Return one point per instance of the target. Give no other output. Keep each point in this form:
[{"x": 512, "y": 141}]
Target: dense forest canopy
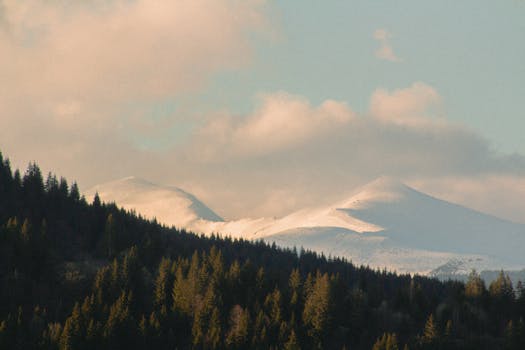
[{"x": 87, "y": 275}]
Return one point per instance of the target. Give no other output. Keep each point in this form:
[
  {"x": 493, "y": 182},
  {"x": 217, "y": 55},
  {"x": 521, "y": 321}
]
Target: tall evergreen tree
[{"x": 316, "y": 314}]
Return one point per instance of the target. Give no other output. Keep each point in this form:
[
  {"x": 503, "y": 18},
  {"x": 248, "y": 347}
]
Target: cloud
[
  {"x": 412, "y": 105},
  {"x": 499, "y": 194},
  {"x": 385, "y": 51},
  {"x": 289, "y": 153},
  {"x": 282, "y": 121},
  {"x": 80, "y": 77},
  {"x": 121, "y": 49}
]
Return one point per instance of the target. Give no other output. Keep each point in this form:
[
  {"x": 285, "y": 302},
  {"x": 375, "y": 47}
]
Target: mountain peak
[
  {"x": 386, "y": 184},
  {"x": 171, "y": 205},
  {"x": 133, "y": 180},
  {"x": 383, "y": 189}
]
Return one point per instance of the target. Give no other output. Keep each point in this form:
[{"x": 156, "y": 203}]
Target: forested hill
[{"x": 87, "y": 275}]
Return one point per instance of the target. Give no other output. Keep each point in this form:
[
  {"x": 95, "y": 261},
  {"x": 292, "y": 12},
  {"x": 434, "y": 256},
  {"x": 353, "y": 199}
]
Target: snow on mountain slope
[
  {"x": 416, "y": 220},
  {"x": 388, "y": 224},
  {"x": 383, "y": 224},
  {"x": 375, "y": 251},
  {"x": 170, "y": 205}
]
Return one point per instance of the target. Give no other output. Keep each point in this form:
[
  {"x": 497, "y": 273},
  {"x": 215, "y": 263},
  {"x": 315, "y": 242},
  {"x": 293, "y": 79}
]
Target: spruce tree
[
  {"x": 475, "y": 286},
  {"x": 430, "y": 333},
  {"x": 316, "y": 314},
  {"x": 238, "y": 327}
]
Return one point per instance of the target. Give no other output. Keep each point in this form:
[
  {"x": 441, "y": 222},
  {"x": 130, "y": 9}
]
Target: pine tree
[
  {"x": 110, "y": 235},
  {"x": 119, "y": 329},
  {"x": 154, "y": 325},
  {"x": 502, "y": 287},
  {"x": 96, "y": 201},
  {"x": 316, "y": 314},
  {"x": 74, "y": 192},
  {"x": 295, "y": 285},
  {"x": 238, "y": 332},
  {"x": 33, "y": 184},
  {"x": 52, "y": 335},
  {"x": 388, "y": 341},
  {"x": 475, "y": 286},
  {"x": 259, "y": 339},
  {"x": 273, "y": 304},
  {"x": 292, "y": 343},
  {"x": 430, "y": 332},
  {"x": 163, "y": 283},
  {"x": 63, "y": 187},
  {"x": 25, "y": 231},
  {"x": 72, "y": 336},
  {"x": 51, "y": 184},
  {"x": 213, "y": 336},
  {"x": 182, "y": 294}
]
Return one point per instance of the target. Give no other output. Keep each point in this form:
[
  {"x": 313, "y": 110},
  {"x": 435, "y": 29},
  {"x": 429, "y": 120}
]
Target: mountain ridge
[
  {"x": 155, "y": 201},
  {"x": 383, "y": 223}
]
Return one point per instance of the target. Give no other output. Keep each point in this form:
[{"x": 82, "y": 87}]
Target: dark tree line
[{"x": 79, "y": 275}]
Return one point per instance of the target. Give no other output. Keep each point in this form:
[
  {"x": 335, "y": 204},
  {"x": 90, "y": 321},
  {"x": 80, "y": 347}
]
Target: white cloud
[
  {"x": 413, "y": 105},
  {"x": 75, "y": 74},
  {"x": 122, "y": 49},
  {"x": 385, "y": 51},
  {"x": 281, "y": 121}
]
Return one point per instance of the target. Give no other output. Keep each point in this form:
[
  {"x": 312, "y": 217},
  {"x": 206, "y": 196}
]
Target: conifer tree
[
  {"x": 273, "y": 304},
  {"x": 316, "y": 314},
  {"x": 74, "y": 192},
  {"x": 292, "y": 343},
  {"x": 163, "y": 283},
  {"x": 295, "y": 285},
  {"x": 213, "y": 336},
  {"x": 63, "y": 187},
  {"x": 110, "y": 235},
  {"x": 502, "y": 287},
  {"x": 51, "y": 184},
  {"x": 238, "y": 332},
  {"x": 475, "y": 286},
  {"x": 387, "y": 341},
  {"x": 25, "y": 231},
  {"x": 71, "y": 337},
  {"x": 96, "y": 201},
  {"x": 430, "y": 333}
]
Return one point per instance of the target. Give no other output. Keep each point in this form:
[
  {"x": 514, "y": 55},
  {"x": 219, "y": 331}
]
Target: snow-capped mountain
[
  {"x": 383, "y": 224},
  {"x": 170, "y": 205},
  {"x": 414, "y": 219},
  {"x": 388, "y": 224}
]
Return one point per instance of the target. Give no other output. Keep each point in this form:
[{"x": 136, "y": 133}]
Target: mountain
[
  {"x": 171, "y": 205},
  {"x": 417, "y": 220},
  {"x": 383, "y": 224},
  {"x": 92, "y": 276},
  {"x": 388, "y": 224}
]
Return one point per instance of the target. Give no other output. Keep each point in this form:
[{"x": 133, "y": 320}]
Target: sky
[{"x": 261, "y": 107}]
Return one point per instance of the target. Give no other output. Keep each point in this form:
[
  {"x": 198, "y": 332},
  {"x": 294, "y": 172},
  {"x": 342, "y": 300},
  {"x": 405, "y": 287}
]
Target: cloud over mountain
[
  {"x": 281, "y": 122},
  {"x": 79, "y": 80},
  {"x": 404, "y": 134}
]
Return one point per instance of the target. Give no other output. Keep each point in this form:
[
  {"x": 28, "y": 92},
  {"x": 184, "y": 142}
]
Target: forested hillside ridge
[
  {"x": 382, "y": 223},
  {"x": 87, "y": 275}
]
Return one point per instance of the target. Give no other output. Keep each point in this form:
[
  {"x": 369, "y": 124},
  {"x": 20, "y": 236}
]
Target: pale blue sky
[{"x": 471, "y": 52}]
